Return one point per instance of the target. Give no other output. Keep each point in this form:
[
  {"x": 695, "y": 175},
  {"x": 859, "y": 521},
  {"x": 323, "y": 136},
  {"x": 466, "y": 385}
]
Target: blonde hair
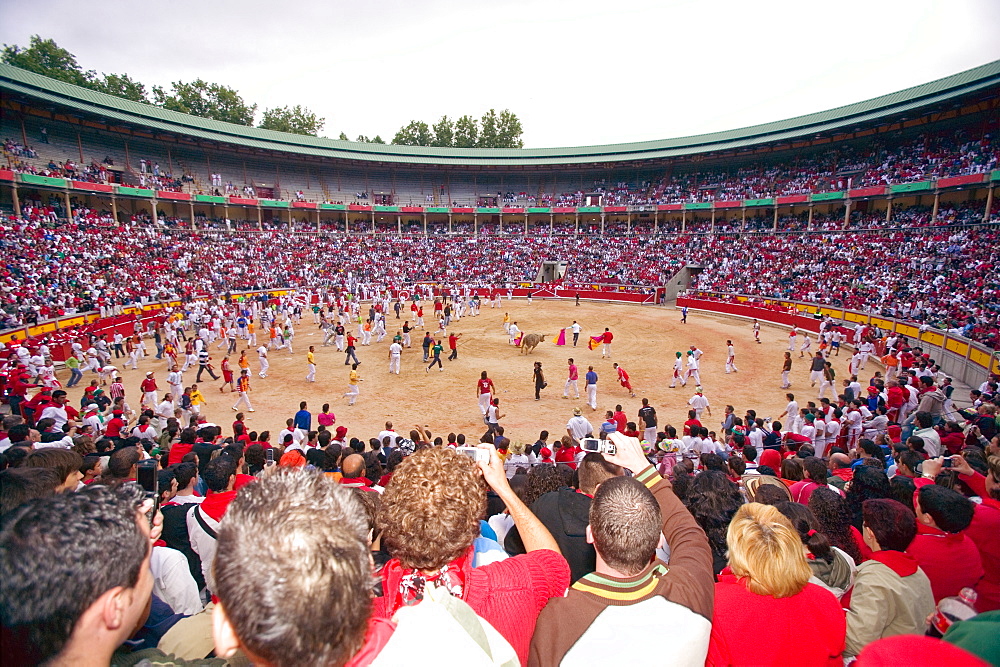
[
  {"x": 517, "y": 448},
  {"x": 766, "y": 550}
]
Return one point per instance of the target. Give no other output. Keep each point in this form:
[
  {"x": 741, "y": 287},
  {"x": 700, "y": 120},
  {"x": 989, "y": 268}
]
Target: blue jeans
[{"x": 75, "y": 376}]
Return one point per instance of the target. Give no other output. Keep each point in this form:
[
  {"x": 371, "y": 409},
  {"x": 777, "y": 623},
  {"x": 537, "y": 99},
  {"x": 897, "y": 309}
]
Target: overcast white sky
[{"x": 577, "y": 72}]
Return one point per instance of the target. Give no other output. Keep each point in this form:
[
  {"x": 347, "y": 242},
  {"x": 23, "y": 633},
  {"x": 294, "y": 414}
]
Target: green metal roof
[{"x": 115, "y": 109}]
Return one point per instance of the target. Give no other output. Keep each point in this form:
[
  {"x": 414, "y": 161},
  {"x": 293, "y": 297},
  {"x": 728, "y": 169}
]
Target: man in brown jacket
[{"x": 632, "y": 596}]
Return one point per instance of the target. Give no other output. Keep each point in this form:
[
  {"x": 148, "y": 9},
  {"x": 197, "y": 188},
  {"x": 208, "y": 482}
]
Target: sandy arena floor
[{"x": 646, "y": 338}]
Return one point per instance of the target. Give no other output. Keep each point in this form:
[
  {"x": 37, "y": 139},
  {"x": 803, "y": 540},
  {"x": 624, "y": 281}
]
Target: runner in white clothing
[
  {"x": 678, "y": 372},
  {"x": 700, "y": 403},
  {"x": 730, "y": 357}
]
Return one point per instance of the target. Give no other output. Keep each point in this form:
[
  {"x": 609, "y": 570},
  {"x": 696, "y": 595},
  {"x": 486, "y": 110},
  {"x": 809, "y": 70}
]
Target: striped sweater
[{"x": 632, "y": 621}]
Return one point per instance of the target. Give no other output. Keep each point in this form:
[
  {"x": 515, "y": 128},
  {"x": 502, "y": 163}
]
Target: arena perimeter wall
[{"x": 958, "y": 357}]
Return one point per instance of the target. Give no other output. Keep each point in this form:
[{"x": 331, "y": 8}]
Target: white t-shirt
[
  {"x": 579, "y": 427},
  {"x": 698, "y": 402},
  {"x": 395, "y": 349}
]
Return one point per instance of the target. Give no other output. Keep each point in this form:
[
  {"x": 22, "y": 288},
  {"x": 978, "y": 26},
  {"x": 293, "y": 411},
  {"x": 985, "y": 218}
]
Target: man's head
[
  {"x": 888, "y": 524},
  {"x": 19, "y": 485},
  {"x": 943, "y": 508},
  {"x": 625, "y": 524},
  {"x": 840, "y": 461},
  {"x": 354, "y": 466},
  {"x": 430, "y": 512},
  {"x": 86, "y": 586},
  {"x": 594, "y": 471},
  {"x": 308, "y": 602},
  {"x": 220, "y": 474},
  {"x": 65, "y": 462},
  {"x": 122, "y": 463}
]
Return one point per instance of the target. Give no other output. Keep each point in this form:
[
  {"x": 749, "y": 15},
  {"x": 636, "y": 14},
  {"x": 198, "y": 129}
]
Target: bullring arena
[
  {"x": 646, "y": 338},
  {"x": 770, "y": 260}
]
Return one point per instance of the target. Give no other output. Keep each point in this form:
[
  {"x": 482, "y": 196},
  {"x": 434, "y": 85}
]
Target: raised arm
[{"x": 533, "y": 532}]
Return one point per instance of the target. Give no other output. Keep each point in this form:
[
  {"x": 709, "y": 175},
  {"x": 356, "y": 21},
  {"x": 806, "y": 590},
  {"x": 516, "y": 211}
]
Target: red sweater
[
  {"x": 738, "y": 616},
  {"x": 985, "y": 534},
  {"x": 509, "y": 594},
  {"x": 950, "y": 560}
]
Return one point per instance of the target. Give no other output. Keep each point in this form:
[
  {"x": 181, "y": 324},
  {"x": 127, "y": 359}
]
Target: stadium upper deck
[{"x": 906, "y": 142}]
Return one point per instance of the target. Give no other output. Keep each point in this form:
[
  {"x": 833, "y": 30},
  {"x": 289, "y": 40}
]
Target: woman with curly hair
[
  {"x": 867, "y": 484},
  {"x": 830, "y": 510},
  {"x": 429, "y": 518},
  {"x": 713, "y": 500}
]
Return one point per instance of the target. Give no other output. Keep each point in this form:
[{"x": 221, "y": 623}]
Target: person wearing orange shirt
[
  {"x": 891, "y": 363},
  {"x": 243, "y": 387}
]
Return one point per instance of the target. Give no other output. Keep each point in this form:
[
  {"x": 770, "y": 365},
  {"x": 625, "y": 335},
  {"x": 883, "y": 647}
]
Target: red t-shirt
[
  {"x": 608, "y": 336},
  {"x": 485, "y": 386}
]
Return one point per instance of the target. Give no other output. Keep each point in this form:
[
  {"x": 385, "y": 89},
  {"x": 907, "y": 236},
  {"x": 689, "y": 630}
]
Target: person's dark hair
[
  {"x": 791, "y": 469},
  {"x": 713, "y": 500},
  {"x": 902, "y": 488},
  {"x": 395, "y": 458},
  {"x": 737, "y": 465},
  {"x": 184, "y": 473},
  {"x": 122, "y": 461},
  {"x": 316, "y": 457},
  {"x": 911, "y": 460},
  {"x": 541, "y": 480},
  {"x": 626, "y": 523},
  {"x": 188, "y": 436},
  {"x": 19, "y": 485},
  {"x": 19, "y": 432},
  {"x": 309, "y": 602},
  {"x": 373, "y": 467},
  {"x": 42, "y": 599},
  {"x": 893, "y": 525},
  {"x": 254, "y": 456},
  {"x": 815, "y": 469},
  {"x": 681, "y": 481},
  {"x": 916, "y": 443},
  {"x": 217, "y": 473},
  {"x": 750, "y": 453},
  {"x": 869, "y": 447},
  {"x": 769, "y": 494},
  {"x": 924, "y": 419},
  {"x": 714, "y": 462},
  {"x": 804, "y": 522},
  {"x": 952, "y": 512},
  {"x": 833, "y": 517},
  {"x": 64, "y": 461},
  {"x": 867, "y": 484},
  {"x": 767, "y": 470}
]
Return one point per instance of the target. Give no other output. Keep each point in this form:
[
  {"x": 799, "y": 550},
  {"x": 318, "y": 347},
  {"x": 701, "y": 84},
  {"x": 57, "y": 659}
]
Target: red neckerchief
[
  {"x": 451, "y": 577},
  {"x": 902, "y": 564}
]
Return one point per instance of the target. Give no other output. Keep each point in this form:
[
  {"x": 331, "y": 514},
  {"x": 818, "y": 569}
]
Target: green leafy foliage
[{"x": 297, "y": 120}]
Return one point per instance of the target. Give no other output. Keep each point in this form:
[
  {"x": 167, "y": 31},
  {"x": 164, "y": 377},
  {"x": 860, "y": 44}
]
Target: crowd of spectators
[
  {"x": 941, "y": 276},
  {"x": 886, "y": 160},
  {"x": 209, "y": 544}
]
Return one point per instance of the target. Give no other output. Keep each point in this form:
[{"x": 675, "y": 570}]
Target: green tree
[
  {"x": 45, "y": 57},
  {"x": 466, "y": 132},
  {"x": 208, "y": 100},
  {"x": 121, "y": 85},
  {"x": 362, "y": 139},
  {"x": 509, "y": 130},
  {"x": 343, "y": 137},
  {"x": 297, "y": 120},
  {"x": 444, "y": 133},
  {"x": 378, "y": 140},
  {"x": 417, "y": 133},
  {"x": 488, "y": 130}
]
